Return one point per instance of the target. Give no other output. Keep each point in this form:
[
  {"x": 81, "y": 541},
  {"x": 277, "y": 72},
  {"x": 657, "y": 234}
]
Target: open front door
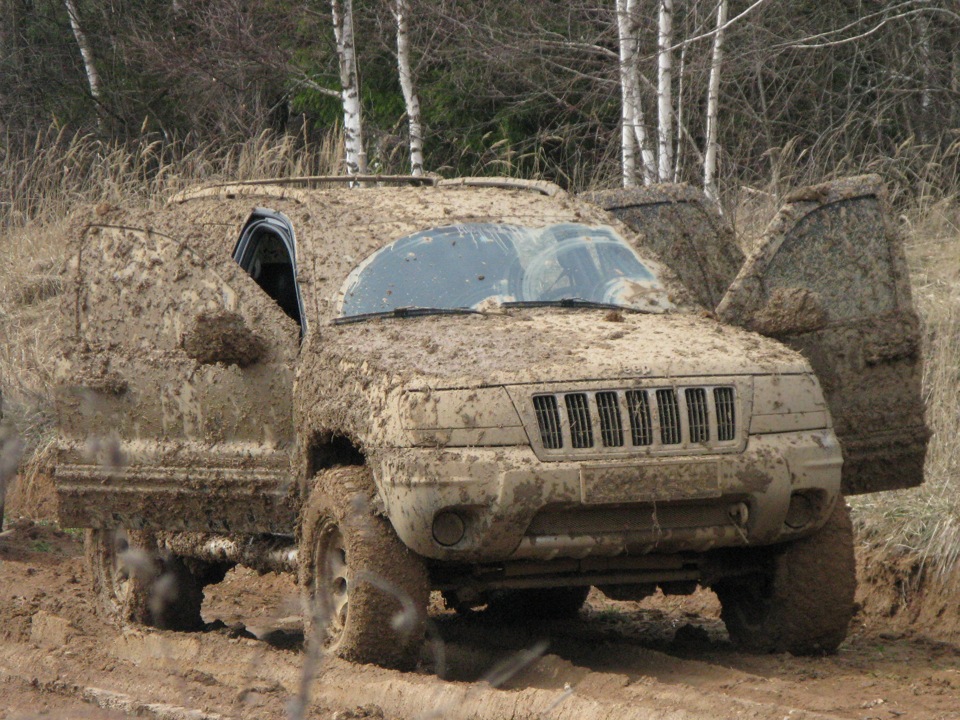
[
  {"x": 830, "y": 279},
  {"x": 683, "y": 229}
]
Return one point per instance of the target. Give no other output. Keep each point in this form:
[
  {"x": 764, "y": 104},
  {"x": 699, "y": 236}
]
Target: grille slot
[
  {"x": 706, "y": 419},
  {"x": 698, "y": 418},
  {"x": 581, "y": 431},
  {"x": 641, "y": 426},
  {"x": 668, "y": 411},
  {"x": 726, "y": 414},
  {"x": 548, "y": 418},
  {"x": 611, "y": 426}
]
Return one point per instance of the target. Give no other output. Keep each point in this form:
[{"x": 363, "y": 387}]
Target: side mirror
[{"x": 222, "y": 336}]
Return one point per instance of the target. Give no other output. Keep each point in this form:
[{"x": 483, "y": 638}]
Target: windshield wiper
[
  {"x": 405, "y": 312},
  {"x": 569, "y": 303}
]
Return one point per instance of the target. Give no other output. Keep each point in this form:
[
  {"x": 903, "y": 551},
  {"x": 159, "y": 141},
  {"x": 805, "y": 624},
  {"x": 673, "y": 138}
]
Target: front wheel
[
  {"x": 134, "y": 584},
  {"x": 804, "y": 603},
  {"x": 365, "y": 593}
]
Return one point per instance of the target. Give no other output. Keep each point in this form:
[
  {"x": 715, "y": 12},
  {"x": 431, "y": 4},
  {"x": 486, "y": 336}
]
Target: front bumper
[{"x": 515, "y": 507}]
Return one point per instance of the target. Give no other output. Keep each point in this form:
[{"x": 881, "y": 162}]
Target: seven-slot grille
[{"x": 636, "y": 418}]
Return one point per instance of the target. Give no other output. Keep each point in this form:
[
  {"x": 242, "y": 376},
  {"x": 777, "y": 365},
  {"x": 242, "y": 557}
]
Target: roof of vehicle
[{"x": 338, "y": 226}]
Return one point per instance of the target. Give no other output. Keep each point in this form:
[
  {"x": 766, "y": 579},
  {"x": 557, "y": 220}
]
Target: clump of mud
[
  {"x": 791, "y": 310},
  {"x": 222, "y": 336}
]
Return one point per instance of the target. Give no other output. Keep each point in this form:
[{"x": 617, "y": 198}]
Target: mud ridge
[{"x": 109, "y": 700}]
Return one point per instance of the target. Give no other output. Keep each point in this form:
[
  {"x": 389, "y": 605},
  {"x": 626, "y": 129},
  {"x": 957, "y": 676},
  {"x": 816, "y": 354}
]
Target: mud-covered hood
[{"x": 548, "y": 345}]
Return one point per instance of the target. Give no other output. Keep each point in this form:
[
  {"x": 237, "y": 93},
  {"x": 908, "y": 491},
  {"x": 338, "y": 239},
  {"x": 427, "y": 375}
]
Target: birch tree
[
  {"x": 628, "y": 157},
  {"x": 664, "y": 90},
  {"x": 633, "y": 132},
  {"x": 410, "y": 99},
  {"x": 713, "y": 99},
  {"x": 356, "y": 157},
  {"x": 681, "y": 128},
  {"x": 86, "y": 52}
]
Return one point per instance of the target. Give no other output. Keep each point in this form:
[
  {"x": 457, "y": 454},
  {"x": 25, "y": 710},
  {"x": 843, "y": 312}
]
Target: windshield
[{"x": 482, "y": 265}]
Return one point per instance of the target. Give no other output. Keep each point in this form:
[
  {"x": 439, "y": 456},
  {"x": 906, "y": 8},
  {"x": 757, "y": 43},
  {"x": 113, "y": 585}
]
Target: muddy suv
[{"x": 488, "y": 388}]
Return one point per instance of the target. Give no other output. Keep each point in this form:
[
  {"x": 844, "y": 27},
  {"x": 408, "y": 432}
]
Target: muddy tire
[
  {"x": 133, "y": 584},
  {"x": 365, "y": 593},
  {"x": 559, "y": 603},
  {"x": 804, "y": 603}
]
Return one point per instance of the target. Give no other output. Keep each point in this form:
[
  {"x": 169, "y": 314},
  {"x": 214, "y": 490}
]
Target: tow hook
[{"x": 739, "y": 513}]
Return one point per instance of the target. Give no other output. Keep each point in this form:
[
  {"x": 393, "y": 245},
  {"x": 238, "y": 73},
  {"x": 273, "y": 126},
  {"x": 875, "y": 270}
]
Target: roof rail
[
  {"x": 233, "y": 190},
  {"x": 539, "y": 186},
  {"x": 291, "y": 188},
  {"x": 286, "y": 187}
]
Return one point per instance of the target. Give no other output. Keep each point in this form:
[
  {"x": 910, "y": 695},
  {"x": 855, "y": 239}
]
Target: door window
[{"x": 267, "y": 252}]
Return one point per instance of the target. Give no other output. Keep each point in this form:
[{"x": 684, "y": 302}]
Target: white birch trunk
[
  {"x": 628, "y": 160},
  {"x": 86, "y": 52},
  {"x": 664, "y": 82},
  {"x": 649, "y": 163},
  {"x": 713, "y": 98},
  {"x": 679, "y": 152},
  {"x": 356, "y": 158},
  {"x": 633, "y": 129},
  {"x": 401, "y": 11}
]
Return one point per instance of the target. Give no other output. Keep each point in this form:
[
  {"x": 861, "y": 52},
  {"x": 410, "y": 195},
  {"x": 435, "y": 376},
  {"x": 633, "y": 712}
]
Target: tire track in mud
[
  {"x": 587, "y": 675},
  {"x": 537, "y": 691},
  {"x": 165, "y": 668},
  {"x": 32, "y": 674},
  {"x": 664, "y": 658}
]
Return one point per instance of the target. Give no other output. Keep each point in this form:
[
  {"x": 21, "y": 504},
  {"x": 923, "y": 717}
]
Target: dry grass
[
  {"x": 926, "y": 520},
  {"x": 42, "y": 182}
]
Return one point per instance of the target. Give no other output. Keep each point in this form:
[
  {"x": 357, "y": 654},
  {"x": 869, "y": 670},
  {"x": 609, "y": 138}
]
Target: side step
[{"x": 263, "y": 553}]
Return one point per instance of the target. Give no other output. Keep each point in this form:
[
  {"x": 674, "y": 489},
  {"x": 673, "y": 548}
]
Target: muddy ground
[{"x": 666, "y": 657}]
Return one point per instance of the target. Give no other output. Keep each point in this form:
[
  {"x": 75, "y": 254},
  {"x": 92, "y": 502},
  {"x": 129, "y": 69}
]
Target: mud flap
[
  {"x": 683, "y": 229},
  {"x": 830, "y": 280}
]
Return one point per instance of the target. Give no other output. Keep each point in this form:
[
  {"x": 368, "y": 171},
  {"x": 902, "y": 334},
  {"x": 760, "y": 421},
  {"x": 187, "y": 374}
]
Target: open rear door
[
  {"x": 830, "y": 279},
  {"x": 175, "y": 399},
  {"x": 683, "y": 229}
]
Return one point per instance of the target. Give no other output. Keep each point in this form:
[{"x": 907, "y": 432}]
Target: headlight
[
  {"x": 785, "y": 403},
  {"x": 461, "y": 418}
]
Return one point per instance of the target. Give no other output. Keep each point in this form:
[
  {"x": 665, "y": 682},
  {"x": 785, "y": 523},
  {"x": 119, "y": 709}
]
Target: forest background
[{"x": 526, "y": 87}]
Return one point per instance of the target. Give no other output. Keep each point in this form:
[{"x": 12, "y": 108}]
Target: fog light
[
  {"x": 801, "y": 512},
  {"x": 448, "y": 528}
]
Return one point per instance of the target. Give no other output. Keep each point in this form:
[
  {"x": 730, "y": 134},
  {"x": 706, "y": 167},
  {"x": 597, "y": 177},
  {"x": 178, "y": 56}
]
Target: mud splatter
[{"x": 222, "y": 336}]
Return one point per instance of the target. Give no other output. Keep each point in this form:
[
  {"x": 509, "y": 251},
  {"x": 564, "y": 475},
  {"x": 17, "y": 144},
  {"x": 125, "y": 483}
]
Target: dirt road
[{"x": 663, "y": 658}]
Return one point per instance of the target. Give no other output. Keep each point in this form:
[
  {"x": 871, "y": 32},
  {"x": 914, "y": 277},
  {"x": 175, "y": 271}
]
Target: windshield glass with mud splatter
[{"x": 484, "y": 265}]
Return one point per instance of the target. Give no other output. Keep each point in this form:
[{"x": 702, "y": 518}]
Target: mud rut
[{"x": 663, "y": 658}]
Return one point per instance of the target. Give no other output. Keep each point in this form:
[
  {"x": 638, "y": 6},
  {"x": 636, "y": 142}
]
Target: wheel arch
[{"x": 324, "y": 449}]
